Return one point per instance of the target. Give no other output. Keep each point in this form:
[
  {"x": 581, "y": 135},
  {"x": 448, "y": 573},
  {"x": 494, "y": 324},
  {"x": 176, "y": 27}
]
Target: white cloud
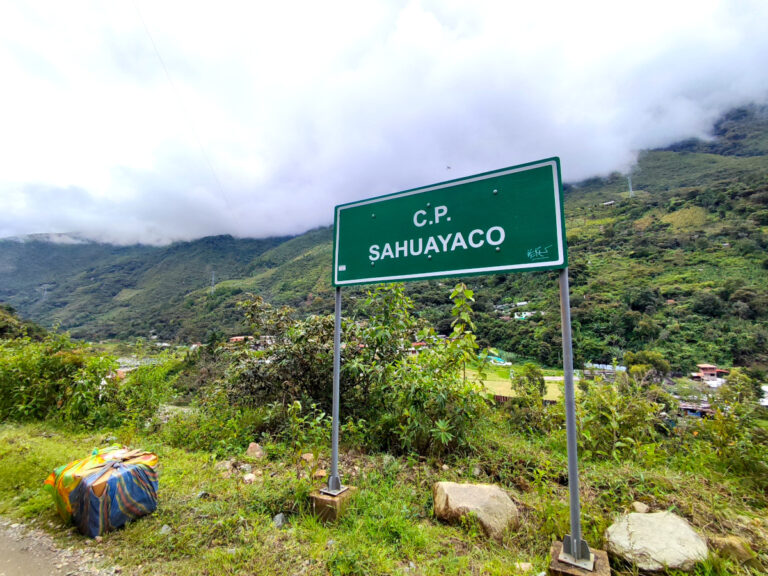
[{"x": 275, "y": 112}]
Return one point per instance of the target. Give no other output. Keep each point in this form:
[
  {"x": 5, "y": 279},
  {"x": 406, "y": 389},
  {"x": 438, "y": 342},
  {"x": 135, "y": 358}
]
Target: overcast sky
[{"x": 153, "y": 121}]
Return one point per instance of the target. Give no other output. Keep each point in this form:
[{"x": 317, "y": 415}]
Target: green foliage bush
[
  {"x": 214, "y": 425},
  {"x": 647, "y": 364},
  {"x": 619, "y": 419},
  {"x": 732, "y": 432},
  {"x": 419, "y": 402},
  {"x": 53, "y": 379},
  {"x": 527, "y": 410},
  {"x": 137, "y": 398},
  {"x": 56, "y": 379},
  {"x": 708, "y": 304}
]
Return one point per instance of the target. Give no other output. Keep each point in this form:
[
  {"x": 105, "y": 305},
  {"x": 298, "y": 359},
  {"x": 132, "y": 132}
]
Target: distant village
[{"x": 710, "y": 376}]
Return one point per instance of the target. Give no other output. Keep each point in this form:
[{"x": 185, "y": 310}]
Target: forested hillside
[
  {"x": 104, "y": 291},
  {"x": 678, "y": 267}
]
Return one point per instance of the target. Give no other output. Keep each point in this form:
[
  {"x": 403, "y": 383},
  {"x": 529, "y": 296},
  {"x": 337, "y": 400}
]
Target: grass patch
[
  {"x": 219, "y": 525},
  {"x": 693, "y": 218},
  {"x": 497, "y": 381}
]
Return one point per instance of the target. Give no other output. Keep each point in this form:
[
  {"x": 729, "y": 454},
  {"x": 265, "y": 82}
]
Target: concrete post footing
[
  {"x": 558, "y": 568},
  {"x": 329, "y": 508}
]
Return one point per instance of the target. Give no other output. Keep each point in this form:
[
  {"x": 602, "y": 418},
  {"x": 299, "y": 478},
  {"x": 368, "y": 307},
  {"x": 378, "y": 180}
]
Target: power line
[{"x": 184, "y": 110}]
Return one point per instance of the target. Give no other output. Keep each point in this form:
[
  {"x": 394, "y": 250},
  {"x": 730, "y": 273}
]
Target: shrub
[
  {"x": 411, "y": 403},
  {"x": 146, "y": 388},
  {"x": 708, "y": 304},
  {"x": 53, "y": 379},
  {"x": 527, "y": 409},
  {"x": 617, "y": 419},
  {"x": 732, "y": 429},
  {"x": 427, "y": 407},
  {"x": 647, "y": 364},
  {"x": 56, "y": 380},
  {"x": 214, "y": 425}
]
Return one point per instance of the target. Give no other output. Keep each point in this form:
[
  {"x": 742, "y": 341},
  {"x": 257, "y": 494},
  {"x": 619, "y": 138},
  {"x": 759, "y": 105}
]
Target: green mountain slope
[
  {"x": 679, "y": 267},
  {"x": 103, "y": 291}
]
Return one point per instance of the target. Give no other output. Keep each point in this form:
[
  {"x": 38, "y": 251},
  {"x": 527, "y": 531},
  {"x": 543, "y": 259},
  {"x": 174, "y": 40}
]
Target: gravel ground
[{"x": 26, "y": 551}]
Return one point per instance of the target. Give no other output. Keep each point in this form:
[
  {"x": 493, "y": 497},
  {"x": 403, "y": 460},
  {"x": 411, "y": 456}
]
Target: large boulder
[
  {"x": 656, "y": 541},
  {"x": 494, "y": 510}
]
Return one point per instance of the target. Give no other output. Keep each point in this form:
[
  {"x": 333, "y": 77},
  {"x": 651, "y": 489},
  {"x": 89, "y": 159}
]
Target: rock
[
  {"x": 231, "y": 551},
  {"x": 445, "y": 467},
  {"x": 203, "y": 495},
  {"x": 734, "y": 547},
  {"x": 255, "y": 451},
  {"x": 245, "y": 468},
  {"x": 640, "y": 508},
  {"x": 224, "y": 465},
  {"x": 523, "y": 566},
  {"x": 308, "y": 457},
  {"x": 319, "y": 474},
  {"x": 165, "y": 529},
  {"x": 495, "y": 511},
  {"x": 249, "y": 478},
  {"x": 656, "y": 541},
  {"x": 476, "y": 471},
  {"x": 279, "y": 520}
]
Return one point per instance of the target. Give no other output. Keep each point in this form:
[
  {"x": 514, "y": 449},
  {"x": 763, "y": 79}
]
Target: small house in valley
[{"x": 710, "y": 374}]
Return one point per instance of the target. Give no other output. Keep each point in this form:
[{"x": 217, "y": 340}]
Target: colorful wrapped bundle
[{"x": 104, "y": 491}]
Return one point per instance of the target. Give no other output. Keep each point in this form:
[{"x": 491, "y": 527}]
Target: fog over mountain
[{"x": 153, "y": 122}]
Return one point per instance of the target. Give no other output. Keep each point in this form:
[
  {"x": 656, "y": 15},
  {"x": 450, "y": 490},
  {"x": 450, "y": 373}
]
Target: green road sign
[{"x": 502, "y": 221}]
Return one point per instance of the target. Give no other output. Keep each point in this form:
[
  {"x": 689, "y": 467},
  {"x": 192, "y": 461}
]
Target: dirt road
[{"x": 26, "y": 551}]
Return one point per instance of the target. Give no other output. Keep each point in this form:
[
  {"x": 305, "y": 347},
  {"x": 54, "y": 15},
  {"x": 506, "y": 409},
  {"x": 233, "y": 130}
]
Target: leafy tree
[
  {"x": 708, "y": 304},
  {"x": 527, "y": 409},
  {"x": 647, "y": 364},
  {"x": 529, "y": 380},
  {"x": 642, "y": 299}
]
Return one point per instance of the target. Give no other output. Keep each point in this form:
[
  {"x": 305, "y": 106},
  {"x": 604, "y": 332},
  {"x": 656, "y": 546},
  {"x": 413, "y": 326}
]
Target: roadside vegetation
[{"x": 409, "y": 420}]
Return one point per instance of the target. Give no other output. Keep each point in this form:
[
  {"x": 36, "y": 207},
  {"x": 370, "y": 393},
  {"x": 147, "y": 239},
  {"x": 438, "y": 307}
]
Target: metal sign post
[
  {"x": 575, "y": 550},
  {"x": 334, "y": 481}
]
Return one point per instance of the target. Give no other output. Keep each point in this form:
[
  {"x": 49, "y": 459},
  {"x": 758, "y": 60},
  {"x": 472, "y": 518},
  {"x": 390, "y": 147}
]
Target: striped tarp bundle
[{"x": 105, "y": 491}]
